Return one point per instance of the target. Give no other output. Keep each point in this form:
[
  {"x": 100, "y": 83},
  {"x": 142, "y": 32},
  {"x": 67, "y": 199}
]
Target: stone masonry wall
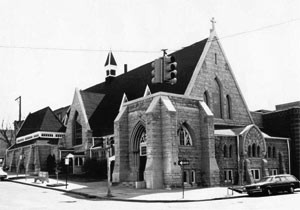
[
  {"x": 209, "y": 166},
  {"x": 188, "y": 114},
  {"x": 205, "y": 82},
  {"x": 163, "y": 149},
  {"x": 86, "y": 133},
  {"x": 121, "y": 136},
  {"x": 227, "y": 163}
]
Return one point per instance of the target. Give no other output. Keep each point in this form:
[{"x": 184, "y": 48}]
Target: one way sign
[{"x": 183, "y": 162}]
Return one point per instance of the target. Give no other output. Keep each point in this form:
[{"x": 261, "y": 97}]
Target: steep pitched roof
[
  {"x": 90, "y": 101},
  {"x": 133, "y": 84},
  {"x": 42, "y": 120}
]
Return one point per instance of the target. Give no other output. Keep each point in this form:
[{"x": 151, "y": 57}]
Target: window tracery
[{"x": 184, "y": 136}]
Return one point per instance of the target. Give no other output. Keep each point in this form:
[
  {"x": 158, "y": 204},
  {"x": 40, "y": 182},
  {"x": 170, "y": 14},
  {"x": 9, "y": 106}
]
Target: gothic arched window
[
  {"x": 258, "y": 151},
  {"x": 229, "y": 107},
  {"x": 206, "y": 98},
  {"x": 77, "y": 130},
  {"x": 269, "y": 152},
  {"x": 230, "y": 151},
  {"x": 184, "y": 136},
  {"x": 225, "y": 151},
  {"x": 249, "y": 151},
  {"x": 217, "y": 99},
  {"x": 274, "y": 152},
  {"x": 253, "y": 150}
]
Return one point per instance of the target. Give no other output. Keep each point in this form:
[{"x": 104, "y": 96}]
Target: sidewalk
[{"x": 124, "y": 193}]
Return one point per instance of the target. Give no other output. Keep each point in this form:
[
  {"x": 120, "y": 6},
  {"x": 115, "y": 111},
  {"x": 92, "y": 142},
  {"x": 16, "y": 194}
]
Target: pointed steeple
[{"x": 110, "y": 65}]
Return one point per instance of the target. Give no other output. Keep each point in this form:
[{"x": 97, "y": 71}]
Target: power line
[
  {"x": 75, "y": 49},
  {"x": 140, "y": 51},
  {"x": 249, "y": 31},
  {"x": 259, "y": 29}
]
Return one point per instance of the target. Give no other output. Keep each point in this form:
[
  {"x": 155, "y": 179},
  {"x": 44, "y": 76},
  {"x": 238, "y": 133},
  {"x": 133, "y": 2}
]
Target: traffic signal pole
[
  {"x": 182, "y": 178},
  {"x": 163, "y": 62},
  {"x": 164, "y": 69},
  {"x": 107, "y": 147}
]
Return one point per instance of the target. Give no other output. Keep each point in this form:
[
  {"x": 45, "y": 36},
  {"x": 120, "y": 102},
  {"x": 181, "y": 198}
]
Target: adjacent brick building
[
  {"x": 39, "y": 136},
  {"x": 285, "y": 122}
]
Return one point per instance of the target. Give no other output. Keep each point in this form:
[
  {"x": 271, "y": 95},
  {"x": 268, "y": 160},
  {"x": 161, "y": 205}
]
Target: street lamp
[{"x": 67, "y": 165}]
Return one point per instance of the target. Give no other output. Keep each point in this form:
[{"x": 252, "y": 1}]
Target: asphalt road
[{"x": 19, "y": 197}]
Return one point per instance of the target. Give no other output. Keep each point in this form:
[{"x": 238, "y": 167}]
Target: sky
[{"x": 48, "y": 48}]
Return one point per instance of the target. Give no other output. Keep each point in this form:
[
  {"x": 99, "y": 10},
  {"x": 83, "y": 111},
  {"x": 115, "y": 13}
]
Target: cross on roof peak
[{"x": 213, "y": 21}]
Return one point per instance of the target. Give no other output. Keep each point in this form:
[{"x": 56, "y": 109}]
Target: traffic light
[
  {"x": 170, "y": 71},
  {"x": 157, "y": 71}
]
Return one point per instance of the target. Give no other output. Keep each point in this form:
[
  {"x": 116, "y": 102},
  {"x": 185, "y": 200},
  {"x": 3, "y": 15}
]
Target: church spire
[{"x": 110, "y": 65}]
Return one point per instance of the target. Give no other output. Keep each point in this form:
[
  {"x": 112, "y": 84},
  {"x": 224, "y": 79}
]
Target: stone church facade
[
  {"x": 209, "y": 125},
  {"x": 202, "y": 119}
]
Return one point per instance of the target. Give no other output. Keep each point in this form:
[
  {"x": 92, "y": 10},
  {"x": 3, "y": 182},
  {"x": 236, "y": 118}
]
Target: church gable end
[
  {"x": 215, "y": 83},
  {"x": 78, "y": 128}
]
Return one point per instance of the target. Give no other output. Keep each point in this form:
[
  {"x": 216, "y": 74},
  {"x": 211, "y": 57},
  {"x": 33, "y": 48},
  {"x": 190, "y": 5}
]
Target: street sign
[
  {"x": 183, "y": 162},
  {"x": 70, "y": 155},
  {"x": 67, "y": 161}
]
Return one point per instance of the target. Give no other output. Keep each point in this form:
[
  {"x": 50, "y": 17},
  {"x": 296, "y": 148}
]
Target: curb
[{"x": 89, "y": 196}]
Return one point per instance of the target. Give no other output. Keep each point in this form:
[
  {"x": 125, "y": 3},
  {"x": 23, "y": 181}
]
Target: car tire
[
  {"x": 268, "y": 191},
  {"x": 291, "y": 190}
]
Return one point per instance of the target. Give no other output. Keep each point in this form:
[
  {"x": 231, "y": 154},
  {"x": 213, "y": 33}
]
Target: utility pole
[
  {"x": 20, "y": 106},
  {"x": 107, "y": 148}
]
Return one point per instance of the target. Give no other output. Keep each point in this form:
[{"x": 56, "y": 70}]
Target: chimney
[{"x": 125, "y": 68}]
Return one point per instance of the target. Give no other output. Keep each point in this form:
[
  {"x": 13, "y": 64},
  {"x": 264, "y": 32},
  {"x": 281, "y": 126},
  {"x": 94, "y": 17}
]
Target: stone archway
[
  {"x": 138, "y": 144},
  {"x": 253, "y": 154}
]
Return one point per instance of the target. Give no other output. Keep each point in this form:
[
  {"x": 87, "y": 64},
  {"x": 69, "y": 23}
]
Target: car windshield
[{"x": 266, "y": 179}]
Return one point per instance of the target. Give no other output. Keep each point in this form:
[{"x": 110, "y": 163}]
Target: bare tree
[{"x": 6, "y": 134}]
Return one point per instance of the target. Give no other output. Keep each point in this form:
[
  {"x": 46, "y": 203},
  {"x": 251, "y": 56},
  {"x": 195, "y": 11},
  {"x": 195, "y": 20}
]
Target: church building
[
  {"x": 202, "y": 120},
  {"x": 147, "y": 130}
]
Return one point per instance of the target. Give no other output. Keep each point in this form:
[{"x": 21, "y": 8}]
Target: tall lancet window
[
  {"x": 206, "y": 98},
  {"x": 77, "y": 130},
  {"x": 229, "y": 107},
  {"x": 184, "y": 136},
  {"x": 217, "y": 99}
]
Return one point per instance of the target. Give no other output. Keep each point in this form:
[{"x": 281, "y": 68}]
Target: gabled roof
[
  {"x": 240, "y": 131},
  {"x": 90, "y": 101},
  {"x": 42, "y": 120},
  {"x": 133, "y": 84}
]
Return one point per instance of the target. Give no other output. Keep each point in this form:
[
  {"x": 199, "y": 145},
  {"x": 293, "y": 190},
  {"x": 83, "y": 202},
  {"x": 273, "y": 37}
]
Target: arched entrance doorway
[{"x": 139, "y": 150}]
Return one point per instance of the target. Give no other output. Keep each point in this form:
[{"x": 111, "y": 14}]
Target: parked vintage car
[
  {"x": 273, "y": 184},
  {"x": 3, "y": 175}
]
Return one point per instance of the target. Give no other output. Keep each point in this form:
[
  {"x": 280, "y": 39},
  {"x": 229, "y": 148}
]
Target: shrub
[{"x": 51, "y": 164}]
